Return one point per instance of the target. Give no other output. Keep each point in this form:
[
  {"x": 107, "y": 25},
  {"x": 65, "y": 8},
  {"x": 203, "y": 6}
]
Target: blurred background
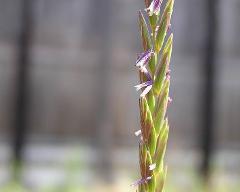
[{"x": 69, "y": 110}]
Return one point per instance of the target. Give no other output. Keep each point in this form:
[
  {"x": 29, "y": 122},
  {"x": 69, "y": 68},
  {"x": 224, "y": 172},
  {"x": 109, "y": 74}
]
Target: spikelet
[{"x": 153, "y": 65}]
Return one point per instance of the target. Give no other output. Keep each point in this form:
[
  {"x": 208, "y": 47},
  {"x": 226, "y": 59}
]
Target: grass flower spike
[{"x": 154, "y": 73}]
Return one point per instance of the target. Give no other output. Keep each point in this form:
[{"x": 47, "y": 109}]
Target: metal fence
[{"x": 67, "y": 71}]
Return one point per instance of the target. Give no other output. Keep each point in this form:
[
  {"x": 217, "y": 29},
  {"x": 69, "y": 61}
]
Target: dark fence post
[
  {"x": 209, "y": 70},
  {"x": 20, "y": 121},
  {"x": 100, "y": 23}
]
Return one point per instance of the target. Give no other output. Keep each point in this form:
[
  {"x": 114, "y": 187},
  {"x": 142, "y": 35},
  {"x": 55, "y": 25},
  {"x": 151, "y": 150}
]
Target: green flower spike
[{"x": 153, "y": 66}]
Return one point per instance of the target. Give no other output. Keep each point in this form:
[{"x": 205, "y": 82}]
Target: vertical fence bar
[
  {"x": 20, "y": 122},
  {"x": 209, "y": 96},
  {"x": 100, "y": 23}
]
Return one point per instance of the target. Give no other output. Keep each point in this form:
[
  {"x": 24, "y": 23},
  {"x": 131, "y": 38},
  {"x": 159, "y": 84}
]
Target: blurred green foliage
[{"x": 172, "y": 185}]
